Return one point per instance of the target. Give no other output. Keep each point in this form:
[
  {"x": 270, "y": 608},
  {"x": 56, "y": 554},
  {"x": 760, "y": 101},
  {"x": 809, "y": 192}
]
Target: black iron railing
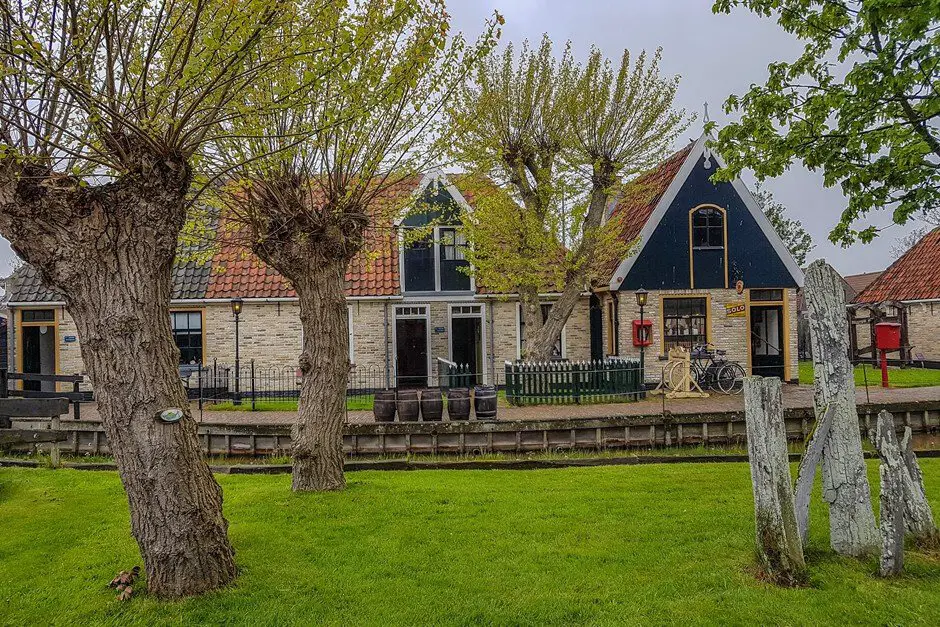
[{"x": 269, "y": 387}]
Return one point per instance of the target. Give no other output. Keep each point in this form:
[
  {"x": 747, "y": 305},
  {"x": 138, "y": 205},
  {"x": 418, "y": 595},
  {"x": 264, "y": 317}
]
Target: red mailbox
[
  {"x": 887, "y": 339},
  {"x": 888, "y": 336},
  {"x": 642, "y": 333}
]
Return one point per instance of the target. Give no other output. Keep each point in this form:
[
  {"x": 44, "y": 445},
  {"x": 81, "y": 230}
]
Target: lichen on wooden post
[
  {"x": 807, "y": 473},
  {"x": 779, "y": 548},
  {"x": 891, "y": 471},
  {"x": 918, "y": 516},
  {"x": 845, "y": 483}
]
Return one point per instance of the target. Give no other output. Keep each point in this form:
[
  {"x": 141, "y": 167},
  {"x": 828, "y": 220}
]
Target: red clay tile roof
[
  {"x": 858, "y": 282},
  {"x": 640, "y": 197},
  {"x": 914, "y": 276},
  {"x": 372, "y": 272}
]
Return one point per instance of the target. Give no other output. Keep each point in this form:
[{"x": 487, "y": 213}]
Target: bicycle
[{"x": 717, "y": 372}]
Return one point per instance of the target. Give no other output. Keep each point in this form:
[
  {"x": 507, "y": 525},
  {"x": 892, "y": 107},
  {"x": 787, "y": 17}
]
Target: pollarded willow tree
[
  {"x": 331, "y": 173},
  {"x": 106, "y": 105},
  {"x": 558, "y": 137},
  {"x": 861, "y": 104}
]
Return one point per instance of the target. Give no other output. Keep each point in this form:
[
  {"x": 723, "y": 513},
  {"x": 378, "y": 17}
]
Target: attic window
[{"x": 708, "y": 228}]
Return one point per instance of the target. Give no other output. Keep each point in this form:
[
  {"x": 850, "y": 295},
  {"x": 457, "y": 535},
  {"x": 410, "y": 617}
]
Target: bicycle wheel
[
  {"x": 730, "y": 379},
  {"x": 672, "y": 375}
]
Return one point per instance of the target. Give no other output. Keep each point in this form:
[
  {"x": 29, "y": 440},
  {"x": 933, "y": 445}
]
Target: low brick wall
[{"x": 474, "y": 437}]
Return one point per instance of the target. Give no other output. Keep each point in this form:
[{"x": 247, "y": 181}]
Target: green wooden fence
[{"x": 573, "y": 382}]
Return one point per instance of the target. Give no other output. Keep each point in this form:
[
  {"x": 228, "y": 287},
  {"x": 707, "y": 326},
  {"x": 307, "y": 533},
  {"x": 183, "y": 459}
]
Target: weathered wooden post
[
  {"x": 906, "y": 476},
  {"x": 892, "y": 472},
  {"x": 779, "y": 548},
  {"x": 917, "y": 514},
  {"x": 806, "y": 476},
  {"x": 845, "y": 483}
]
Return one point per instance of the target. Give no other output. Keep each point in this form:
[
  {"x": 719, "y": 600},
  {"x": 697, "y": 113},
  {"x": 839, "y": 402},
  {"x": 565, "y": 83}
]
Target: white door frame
[
  {"x": 426, "y": 316},
  {"x": 450, "y": 332}
]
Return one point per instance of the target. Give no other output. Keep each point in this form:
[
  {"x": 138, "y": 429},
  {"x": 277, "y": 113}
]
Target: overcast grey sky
[{"x": 715, "y": 55}]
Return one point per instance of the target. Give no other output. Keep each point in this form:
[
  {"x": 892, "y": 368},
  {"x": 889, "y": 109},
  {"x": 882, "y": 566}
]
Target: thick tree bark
[
  {"x": 317, "y": 436},
  {"x": 845, "y": 482},
  {"x": 779, "y": 548},
  {"x": 109, "y": 249},
  {"x": 892, "y": 472},
  {"x": 311, "y": 241}
]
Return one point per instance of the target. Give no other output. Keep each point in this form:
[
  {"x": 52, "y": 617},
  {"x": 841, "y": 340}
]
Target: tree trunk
[
  {"x": 779, "y": 548},
  {"x": 531, "y": 312},
  {"x": 317, "y": 436},
  {"x": 109, "y": 249},
  {"x": 845, "y": 483},
  {"x": 540, "y": 341},
  {"x": 891, "y": 471}
]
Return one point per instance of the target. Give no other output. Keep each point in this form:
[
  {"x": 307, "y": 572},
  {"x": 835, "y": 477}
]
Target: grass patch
[
  {"x": 897, "y": 377},
  {"x": 353, "y": 403},
  {"x": 651, "y": 544}
]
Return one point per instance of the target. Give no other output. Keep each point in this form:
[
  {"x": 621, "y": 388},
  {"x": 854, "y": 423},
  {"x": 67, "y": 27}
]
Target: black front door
[
  {"x": 767, "y": 341},
  {"x": 597, "y": 331},
  {"x": 467, "y": 345},
  {"x": 411, "y": 352}
]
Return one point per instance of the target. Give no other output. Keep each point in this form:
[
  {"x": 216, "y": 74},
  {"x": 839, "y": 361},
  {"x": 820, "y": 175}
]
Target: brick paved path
[{"x": 793, "y": 396}]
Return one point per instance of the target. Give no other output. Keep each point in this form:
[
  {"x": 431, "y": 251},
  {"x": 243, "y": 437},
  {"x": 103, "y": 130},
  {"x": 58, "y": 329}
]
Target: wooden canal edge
[{"x": 481, "y": 437}]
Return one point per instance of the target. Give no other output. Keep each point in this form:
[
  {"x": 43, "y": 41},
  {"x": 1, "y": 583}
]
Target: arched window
[{"x": 708, "y": 228}]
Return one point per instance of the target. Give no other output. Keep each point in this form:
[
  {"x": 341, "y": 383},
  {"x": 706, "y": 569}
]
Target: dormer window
[
  {"x": 434, "y": 247},
  {"x": 437, "y": 262},
  {"x": 708, "y": 228}
]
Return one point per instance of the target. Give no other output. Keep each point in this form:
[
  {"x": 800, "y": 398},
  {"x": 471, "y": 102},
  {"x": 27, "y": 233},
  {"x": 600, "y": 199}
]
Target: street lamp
[
  {"x": 236, "y": 310},
  {"x": 641, "y": 296}
]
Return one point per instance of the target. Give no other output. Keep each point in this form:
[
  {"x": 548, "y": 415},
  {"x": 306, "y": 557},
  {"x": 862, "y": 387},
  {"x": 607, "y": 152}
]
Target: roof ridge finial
[{"x": 707, "y": 119}]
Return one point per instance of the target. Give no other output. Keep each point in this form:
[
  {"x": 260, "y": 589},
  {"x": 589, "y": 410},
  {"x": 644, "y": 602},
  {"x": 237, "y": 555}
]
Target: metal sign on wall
[{"x": 735, "y": 310}]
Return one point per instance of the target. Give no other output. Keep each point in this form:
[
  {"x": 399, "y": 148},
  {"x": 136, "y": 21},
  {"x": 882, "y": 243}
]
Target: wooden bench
[
  {"x": 76, "y": 396},
  {"x": 51, "y": 408}
]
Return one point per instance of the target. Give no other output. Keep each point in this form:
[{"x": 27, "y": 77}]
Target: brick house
[
  {"x": 907, "y": 291},
  {"x": 714, "y": 268}
]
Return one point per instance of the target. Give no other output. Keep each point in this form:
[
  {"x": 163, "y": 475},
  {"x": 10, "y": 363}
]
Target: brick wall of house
[
  {"x": 70, "y": 353},
  {"x": 504, "y": 327},
  {"x": 923, "y": 322},
  {"x": 728, "y": 333},
  {"x": 270, "y": 334}
]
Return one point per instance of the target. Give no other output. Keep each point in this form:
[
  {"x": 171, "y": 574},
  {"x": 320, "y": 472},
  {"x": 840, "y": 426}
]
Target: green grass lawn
[
  {"x": 353, "y": 403},
  {"x": 897, "y": 377},
  {"x": 650, "y": 544}
]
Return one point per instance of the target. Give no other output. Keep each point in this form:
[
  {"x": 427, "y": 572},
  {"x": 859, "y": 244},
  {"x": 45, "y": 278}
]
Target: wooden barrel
[
  {"x": 407, "y": 405},
  {"x": 458, "y": 404},
  {"x": 384, "y": 406},
  {"x": 484, "y": 402},
  {"x": 432, "y": 405}
]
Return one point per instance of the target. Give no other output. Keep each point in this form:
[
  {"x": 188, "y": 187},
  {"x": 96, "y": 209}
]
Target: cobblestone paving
[{"x": 794, "y": 396}]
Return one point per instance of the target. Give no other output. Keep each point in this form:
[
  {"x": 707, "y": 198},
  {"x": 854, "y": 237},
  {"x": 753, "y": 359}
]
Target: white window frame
[
  {"x": 564, "y": 332},
  {"x": 352, "y": 337},
  {"x": 450, "y": 332},
  {"x": 436, "y": 247},
  {"x": 426, "y": 316}
]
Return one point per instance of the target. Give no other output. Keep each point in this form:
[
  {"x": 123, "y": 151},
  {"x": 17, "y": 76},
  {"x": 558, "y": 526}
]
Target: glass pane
[
  {"x": 39, "y": 315},
  {"x": 716, "y": 235}
]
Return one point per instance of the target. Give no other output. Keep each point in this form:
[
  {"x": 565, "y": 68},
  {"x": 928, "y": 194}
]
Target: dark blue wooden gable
[
  {"x": 664, "y": 261},
  {"x": 435, "y": 207}
]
